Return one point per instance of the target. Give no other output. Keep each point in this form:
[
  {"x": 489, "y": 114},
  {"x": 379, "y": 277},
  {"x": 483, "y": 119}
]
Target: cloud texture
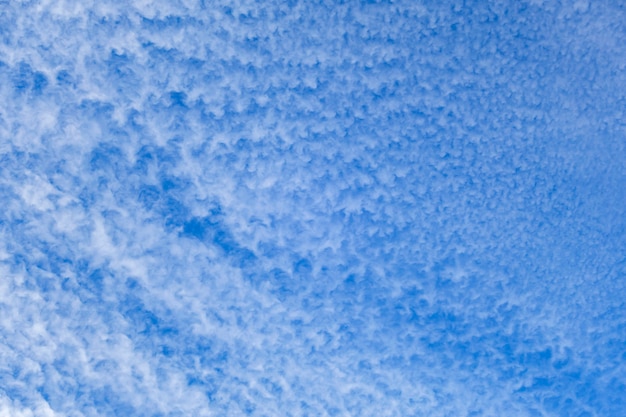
[{"x": 298, "y": 208}]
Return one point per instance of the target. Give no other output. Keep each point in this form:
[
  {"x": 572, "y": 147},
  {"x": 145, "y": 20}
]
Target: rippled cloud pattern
[{"x": 312, "y": 208}]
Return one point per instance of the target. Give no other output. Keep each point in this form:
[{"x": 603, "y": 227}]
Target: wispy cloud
[{"x": 371, "y": 208}]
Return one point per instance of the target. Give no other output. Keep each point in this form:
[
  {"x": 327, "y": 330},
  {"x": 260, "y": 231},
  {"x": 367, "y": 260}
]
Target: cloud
[{"x": 311, "y": 209}]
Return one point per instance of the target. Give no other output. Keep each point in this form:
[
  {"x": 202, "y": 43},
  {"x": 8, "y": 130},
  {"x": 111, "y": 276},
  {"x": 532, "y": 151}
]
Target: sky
[{"x": 312, "y": 208}]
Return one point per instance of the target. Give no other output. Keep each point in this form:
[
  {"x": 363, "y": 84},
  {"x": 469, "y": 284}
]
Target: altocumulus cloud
[{"x": 298, "y": 208}]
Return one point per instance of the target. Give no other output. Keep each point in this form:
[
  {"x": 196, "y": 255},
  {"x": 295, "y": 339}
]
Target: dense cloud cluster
[{"x": 297, "y": 208}]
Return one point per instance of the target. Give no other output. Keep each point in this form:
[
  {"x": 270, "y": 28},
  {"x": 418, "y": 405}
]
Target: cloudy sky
[{"x": 312, "y": 208}]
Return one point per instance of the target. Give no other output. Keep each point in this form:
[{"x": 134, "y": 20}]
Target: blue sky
[{"x": 402, "y": 208}]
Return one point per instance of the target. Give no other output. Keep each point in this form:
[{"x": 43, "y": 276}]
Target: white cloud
[{"x": 367, "y": 209}]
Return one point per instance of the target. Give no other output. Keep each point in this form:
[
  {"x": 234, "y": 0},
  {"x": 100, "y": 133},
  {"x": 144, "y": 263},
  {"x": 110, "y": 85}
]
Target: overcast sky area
[{"x": 312, "y": 208}]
